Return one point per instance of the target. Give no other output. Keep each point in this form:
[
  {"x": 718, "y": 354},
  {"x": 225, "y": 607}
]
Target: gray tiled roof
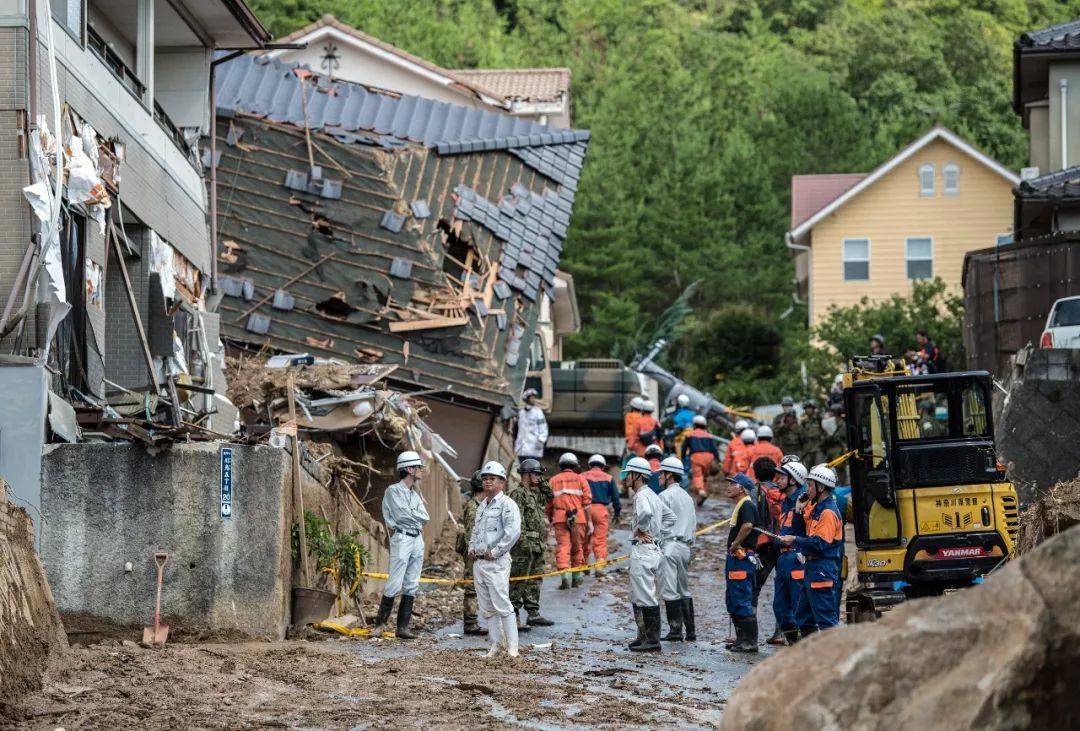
[
  {"x": 269, "y": 88},
  {"x": 1063, "y": 36},
  {"x": 1063, "y": 184}
]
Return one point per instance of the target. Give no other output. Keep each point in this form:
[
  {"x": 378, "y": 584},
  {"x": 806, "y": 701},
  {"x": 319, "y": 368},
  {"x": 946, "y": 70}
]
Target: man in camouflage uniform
[
  {"x": 835, "y": 444},
  {"x": 788, "y": 435},
  {"x": 528, "y": 554},
  {"x": 813, "y": 434},
  {"x": 468, "y": 519}
]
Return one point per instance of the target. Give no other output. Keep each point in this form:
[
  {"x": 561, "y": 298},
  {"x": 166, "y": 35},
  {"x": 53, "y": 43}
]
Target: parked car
[{"x": 1063, "y": 325}]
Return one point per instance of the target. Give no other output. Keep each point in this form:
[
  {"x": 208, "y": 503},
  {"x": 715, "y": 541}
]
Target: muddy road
[{"x": 577, "y": 673}]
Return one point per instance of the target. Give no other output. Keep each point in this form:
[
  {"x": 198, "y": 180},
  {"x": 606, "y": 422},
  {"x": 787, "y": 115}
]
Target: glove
[{"x": 590, "y": 528}]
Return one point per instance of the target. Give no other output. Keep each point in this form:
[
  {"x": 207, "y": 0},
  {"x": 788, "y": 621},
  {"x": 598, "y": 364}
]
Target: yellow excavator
[{"x": 932, "y": 509}]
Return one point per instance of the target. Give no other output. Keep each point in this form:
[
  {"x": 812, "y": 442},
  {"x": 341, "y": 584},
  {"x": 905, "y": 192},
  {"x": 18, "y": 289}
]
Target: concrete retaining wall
[
  {"x": 1037, "y": 431},
  {"x": 30, "y": 629}
]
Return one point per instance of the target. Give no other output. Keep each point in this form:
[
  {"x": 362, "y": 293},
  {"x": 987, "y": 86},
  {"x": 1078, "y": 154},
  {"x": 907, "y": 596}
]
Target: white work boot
[
  {"x": 495, "y": 633},
  {"x": 510, "y": 633}
]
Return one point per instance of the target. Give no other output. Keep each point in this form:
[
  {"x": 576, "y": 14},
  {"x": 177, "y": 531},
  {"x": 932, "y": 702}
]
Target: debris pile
[
  {"x": 1055, "y": 512},
  {"x": 994, "y": 656}
]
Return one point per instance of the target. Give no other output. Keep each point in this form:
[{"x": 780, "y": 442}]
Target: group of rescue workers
[{"x": 785, "y": 517}]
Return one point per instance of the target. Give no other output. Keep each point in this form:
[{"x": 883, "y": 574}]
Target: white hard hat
[
  {"x": 638, "y": 465},
  {"x": 796, "y": 471},
  {"x": 530, "y": 392},
  {"x": 493, "y": 468},
  {"x": 748, "y": 436},
  {"x": 700, "y": 420},
  {"x": 822, "y": 474},
  {"x": 683, "y": 400},
  {"x": 742, "y": 424},
  {"x": 409, "y": 459},
  {"x": 839, "y": 378},
  {"x": 637, "y": 403},
  {"x": 597, "y": 460},
  {"x": 569, "y": 459},
  {"x": 673, "y": 465},
  {"x": 654, "y": 449},
  {"x": 764, "y": 432},
  {"x": 648, "y": 406}
]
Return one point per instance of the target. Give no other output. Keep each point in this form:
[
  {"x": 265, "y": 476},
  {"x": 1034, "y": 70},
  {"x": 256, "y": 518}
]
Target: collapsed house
[{"x": 382, "y": 228}]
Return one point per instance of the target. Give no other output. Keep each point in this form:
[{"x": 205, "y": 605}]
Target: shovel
[{"x": 158, "y": 633}]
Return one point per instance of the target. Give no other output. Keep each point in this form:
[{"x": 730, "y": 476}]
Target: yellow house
[{"x": 914, "y": 217}]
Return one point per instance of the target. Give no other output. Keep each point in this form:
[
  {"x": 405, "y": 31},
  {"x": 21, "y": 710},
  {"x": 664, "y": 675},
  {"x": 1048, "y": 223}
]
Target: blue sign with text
[{"x": 226, "y": 481}]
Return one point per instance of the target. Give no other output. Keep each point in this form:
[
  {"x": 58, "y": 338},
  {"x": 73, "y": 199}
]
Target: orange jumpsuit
[
  {"x": 736, "y": 444},
  {"x": 630, "y": 427},
  {"x": 763, "y": 448},
  {"x": 700, "y": 446},
  {"x": 740, "y": 458},
  {"x": 647, "y": 424},
  {"x": 570, "y": 492},
  {"x": 603, "y": 492}
]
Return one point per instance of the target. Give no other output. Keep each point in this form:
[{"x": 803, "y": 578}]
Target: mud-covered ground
[{"x": 577, "y": 673}]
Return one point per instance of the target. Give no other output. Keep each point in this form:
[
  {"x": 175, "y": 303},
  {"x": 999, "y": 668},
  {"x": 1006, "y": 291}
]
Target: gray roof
[
  {"x": 1060, "y": 185},
  {"x": 1063, "y": 36}
]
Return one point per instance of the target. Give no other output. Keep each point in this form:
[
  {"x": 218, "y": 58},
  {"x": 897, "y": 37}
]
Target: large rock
[{"x": 1003, "y": 655}]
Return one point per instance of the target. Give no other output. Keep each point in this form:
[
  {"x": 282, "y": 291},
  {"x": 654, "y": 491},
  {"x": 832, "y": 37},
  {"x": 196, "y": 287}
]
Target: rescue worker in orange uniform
[
  {"x": 630, "y": 424},
  {"x": 821, "y": 547},
  {"x": 700, "y": 446},
  {"x": 568, "y": 512},
  {"x": 649, "y": 429},
  {"x": 733, "y": 446},
  {"x": 740, "y": 456},
  {"x": 764, "y": 447},
  {"x": 604, "y": 492}
]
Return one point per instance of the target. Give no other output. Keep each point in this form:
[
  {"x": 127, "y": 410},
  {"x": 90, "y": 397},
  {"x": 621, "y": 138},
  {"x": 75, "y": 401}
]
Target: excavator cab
[{"x": 931, "y": 506}]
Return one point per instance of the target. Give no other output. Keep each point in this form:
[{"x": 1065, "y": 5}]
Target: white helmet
[
  {"x": 654, "y": 449},
  {"x": 648, "y": 406},
  {"x": 796, "y": 471},
  {"x": 700, "y": 420},
  {"x": 823, "y": 474},
  {"x": 764, "y": 432},
  {"x": 639, "y": 465},
  {"x": 529, "y": 392},
  {"x": 597, "y": 460},
  {"x": 748, "y": 436},
  {"x": 409, "y": 459},
  {"x": 493, "y": 468},
  {"x": 673, "y": 465},
  {"x": 741, "y": 424},
  {"x": 569, "y": 459},
  {"x": 683, "y": 400},
  {"x": 839, "y": 378},
  {"x": 637, "y": 403}
]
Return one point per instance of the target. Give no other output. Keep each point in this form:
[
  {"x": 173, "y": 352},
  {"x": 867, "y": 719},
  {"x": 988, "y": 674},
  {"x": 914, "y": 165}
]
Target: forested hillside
[{"x": 701, "y": 112}]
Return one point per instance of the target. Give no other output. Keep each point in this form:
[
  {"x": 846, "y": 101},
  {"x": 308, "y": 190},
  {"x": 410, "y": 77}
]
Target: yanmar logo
[{"x": 972, "y": 552}]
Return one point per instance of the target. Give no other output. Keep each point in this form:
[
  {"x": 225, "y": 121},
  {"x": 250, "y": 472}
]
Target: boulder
[{"x": 997, "y": 656}]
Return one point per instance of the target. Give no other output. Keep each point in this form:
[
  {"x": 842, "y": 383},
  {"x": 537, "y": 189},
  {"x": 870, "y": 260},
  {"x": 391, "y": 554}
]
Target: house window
[
  {"x": 856, "y": 255},
  {"x": 1003, "y": 239},
  {"x": 70, "y": 14},
  {"x": 951, "y": 174},
  {"x": 920, "y": 258},
  {"x": 926, "y": 179}
]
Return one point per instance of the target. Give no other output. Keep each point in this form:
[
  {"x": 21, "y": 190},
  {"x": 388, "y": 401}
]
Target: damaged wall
[
  {"x": 22, "y": 411},
  {"x": 31, "y": 629}
]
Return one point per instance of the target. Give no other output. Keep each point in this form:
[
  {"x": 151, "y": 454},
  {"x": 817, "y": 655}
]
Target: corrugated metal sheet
[{"x": 1008, "y": 292}]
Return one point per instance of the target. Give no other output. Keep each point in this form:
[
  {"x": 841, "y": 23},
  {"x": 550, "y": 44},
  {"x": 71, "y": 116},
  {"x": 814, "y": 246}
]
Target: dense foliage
[{"x": 701, "y": 111}]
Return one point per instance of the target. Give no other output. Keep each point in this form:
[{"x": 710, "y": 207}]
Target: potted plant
[{"x": 339, "y": 562}]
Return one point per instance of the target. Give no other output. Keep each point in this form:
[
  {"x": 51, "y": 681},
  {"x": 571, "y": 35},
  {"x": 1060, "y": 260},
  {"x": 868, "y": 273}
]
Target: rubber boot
[
  {"x": 732, "y": 641},
  {"x": 701, "y": 497},
  {"x": 510, "y": 634},
  {"x": 651, "y": 616},
  {"x": 521, "y": 626},
  {"x": 777, "y": 637},
  {"x": 535, "y": 620},
  {"x": 404, "y": 616},
  {"x": 688, "y": 618},
  {"x": 472, "y": 627},
  {"x": 386, "y": 605},
  {"x": 791, "y": 635},
  {"x": 805, "y": 632},
  {"x": 565, "y": 583},
  {"x": 748, "y": 635},
  {"x": 495, "y": 635},
  {"x": 639, "y": 619},
  {"x": 577, "y": 579},
  {"x": 598, "y": 571},
  {"x": 674, "y": 621}
]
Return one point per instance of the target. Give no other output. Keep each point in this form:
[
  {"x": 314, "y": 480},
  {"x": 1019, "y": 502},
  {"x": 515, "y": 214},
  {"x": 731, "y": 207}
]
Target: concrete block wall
[{"x": 125, "y": 363}]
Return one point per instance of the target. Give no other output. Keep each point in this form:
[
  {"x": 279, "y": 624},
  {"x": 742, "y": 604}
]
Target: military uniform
[
  {"x": 469, "y": 605},
  {"x": 834, "y": 445},
  {"x": 529, "y": 552},
  {"x": 813, "y": 437},
  {"x": 789, "y": 438}
]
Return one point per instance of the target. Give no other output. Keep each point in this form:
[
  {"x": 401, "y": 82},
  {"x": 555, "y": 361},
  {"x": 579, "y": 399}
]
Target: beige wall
[
  {"x": 891, "y": 210},
  {"x": 1039, "y": 137},
  {"x": 1069, "y": 72}
]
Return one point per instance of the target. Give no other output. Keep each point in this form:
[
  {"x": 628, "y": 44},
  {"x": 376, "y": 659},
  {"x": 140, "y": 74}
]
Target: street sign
[{"x": 226, "y": 481}]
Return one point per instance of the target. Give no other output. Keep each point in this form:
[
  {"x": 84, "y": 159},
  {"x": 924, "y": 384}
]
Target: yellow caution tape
[{"x": 546, "y": 575}]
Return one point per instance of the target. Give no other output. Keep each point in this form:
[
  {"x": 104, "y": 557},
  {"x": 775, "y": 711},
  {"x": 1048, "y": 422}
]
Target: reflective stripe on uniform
[
  {"x": 820, "y": 584},
  {"x": 798, "y": 574},
  {"x": 568, "y": 491},
  {"x": 739, "y": 575}
]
